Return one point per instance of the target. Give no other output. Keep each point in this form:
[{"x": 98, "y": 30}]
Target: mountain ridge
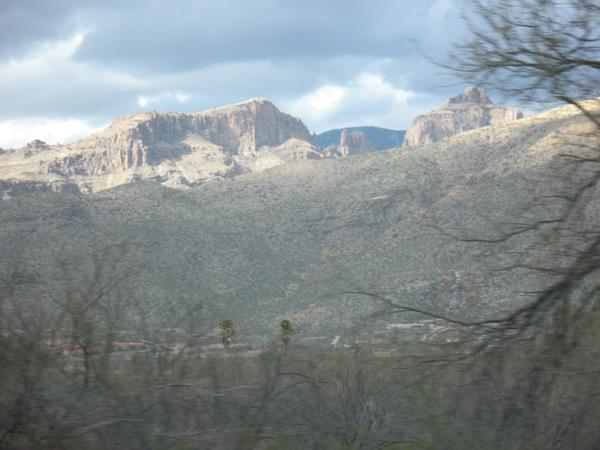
[
  {"x": 176, "y": 149},
  {"x": 186, "y": 150}
]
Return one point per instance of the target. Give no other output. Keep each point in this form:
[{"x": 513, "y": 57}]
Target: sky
[{"x": 68, "y": 68}]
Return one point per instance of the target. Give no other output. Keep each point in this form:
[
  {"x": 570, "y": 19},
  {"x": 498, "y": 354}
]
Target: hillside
[{"x": 288, "y": 241}]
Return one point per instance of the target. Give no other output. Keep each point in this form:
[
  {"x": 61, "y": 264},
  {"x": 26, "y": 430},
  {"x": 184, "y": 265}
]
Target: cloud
[
  {"x": 331, "y": 63},
  {"x": 321, "y": 103},
  {"x": 199, "y": 34},
  {"x": 24, "y": 23},
  {"x": 146, "y": 100},
  {"x": 366, "y": 99},
  {"x": 155, "y": 36},
  {"x": 16, "y": 133},
  {"x": 47, "y": 81}
]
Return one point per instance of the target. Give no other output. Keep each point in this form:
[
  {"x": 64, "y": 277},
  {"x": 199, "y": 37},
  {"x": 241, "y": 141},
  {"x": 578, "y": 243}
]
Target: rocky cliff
[
  {"x": 470, "y": 110},
  {"x": 354, "y": 143},
  {"x": 177, "y": 149},
  {"x": 350, "y": 143}
]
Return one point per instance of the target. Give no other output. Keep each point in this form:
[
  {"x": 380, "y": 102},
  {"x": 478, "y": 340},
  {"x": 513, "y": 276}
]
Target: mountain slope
[{"x": 289, "y": 241}]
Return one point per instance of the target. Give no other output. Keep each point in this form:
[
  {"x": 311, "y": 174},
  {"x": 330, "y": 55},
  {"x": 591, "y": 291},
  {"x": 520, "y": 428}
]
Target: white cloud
[
  {"x": 182, "y": 98},
  {"x": 367, "y": 99},
  {"x": 374, "y": 85},
  {"x": 16, "y": 133},
  {"x": 50, "y": 80},
  {"x": 145, "y": 100},
  {"x": 322, "y": 102},
  {"x": 54, "y": 58}
]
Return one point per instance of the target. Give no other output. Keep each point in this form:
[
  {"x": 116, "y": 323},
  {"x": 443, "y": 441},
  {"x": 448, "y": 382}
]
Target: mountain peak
[
  {"x": 260, "y": 100},
  {"x": 471, "y": 94},
  {"x": 467, "y": 111},
  {"x": 176, "y": 148},
  {"x": 134, "y": 119},
  {"x": 254, "y": 105}
]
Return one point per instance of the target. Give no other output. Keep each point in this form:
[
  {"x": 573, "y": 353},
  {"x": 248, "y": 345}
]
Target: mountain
[
  {"x": 470, "y": 110},
  {"x": 185, "y": 150},
  {"x": 378, "y": 138},
  {"x": 175, "y": 149},
  {"x": 290, "y": 242}
]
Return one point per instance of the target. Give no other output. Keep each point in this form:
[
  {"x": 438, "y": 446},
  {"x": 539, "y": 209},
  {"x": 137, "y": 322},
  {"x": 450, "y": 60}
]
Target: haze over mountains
[
  {"x": 288, "y": 241},
  {"x": 185, "y": 150}
]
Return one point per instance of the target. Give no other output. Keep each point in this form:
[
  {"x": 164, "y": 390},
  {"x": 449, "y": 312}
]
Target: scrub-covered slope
[{"x": 288, "y": 241}]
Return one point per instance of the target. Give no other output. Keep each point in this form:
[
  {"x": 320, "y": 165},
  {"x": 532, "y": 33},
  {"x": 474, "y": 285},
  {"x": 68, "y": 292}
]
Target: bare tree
[
  {"x": 531, "y": 373},
  {"x": 542, "y": 52},
  {"x": 546, "y": 51}
]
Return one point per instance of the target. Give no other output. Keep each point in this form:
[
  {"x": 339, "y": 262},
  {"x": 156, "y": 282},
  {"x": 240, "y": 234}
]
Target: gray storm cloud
[{"x": 90, "y": 61}]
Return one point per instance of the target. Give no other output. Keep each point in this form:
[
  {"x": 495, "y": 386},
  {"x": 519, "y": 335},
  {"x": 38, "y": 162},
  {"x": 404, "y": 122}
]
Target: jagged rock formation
[
  {"x": 470, "y": 110},
  {"x": 176, "y": 149},
  {"x": 354, "y": 143},
  {"x": 351, "y": 143}
]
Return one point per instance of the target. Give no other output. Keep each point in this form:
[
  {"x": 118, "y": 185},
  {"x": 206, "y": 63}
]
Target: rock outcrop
[
  {"x": 467, "y": 111},
  {"x": 176, "y": 149},
  {"x": 351, "y": 143},
  {"x": 354, "y": 143},
  {"x": 377, "y": 138}
]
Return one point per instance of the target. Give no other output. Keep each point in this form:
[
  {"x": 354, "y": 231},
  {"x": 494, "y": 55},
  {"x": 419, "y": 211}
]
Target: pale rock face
[
  {"x": 291, "y": 150},
  {"x": 468, "y": 111},
  {"x": 354, "y": 143},
  {"x": 351, "y": 143},
  {"x": 176, "y": 149}
]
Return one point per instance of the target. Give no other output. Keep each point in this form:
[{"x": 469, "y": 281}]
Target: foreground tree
[
  {"x": 532, "y": 373},
  {"x": 286, "y": 331},
  {"x": 547, "y": 52},
  {"x": 227, "y": 332},
  {"x": 535, "y": 377}
]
